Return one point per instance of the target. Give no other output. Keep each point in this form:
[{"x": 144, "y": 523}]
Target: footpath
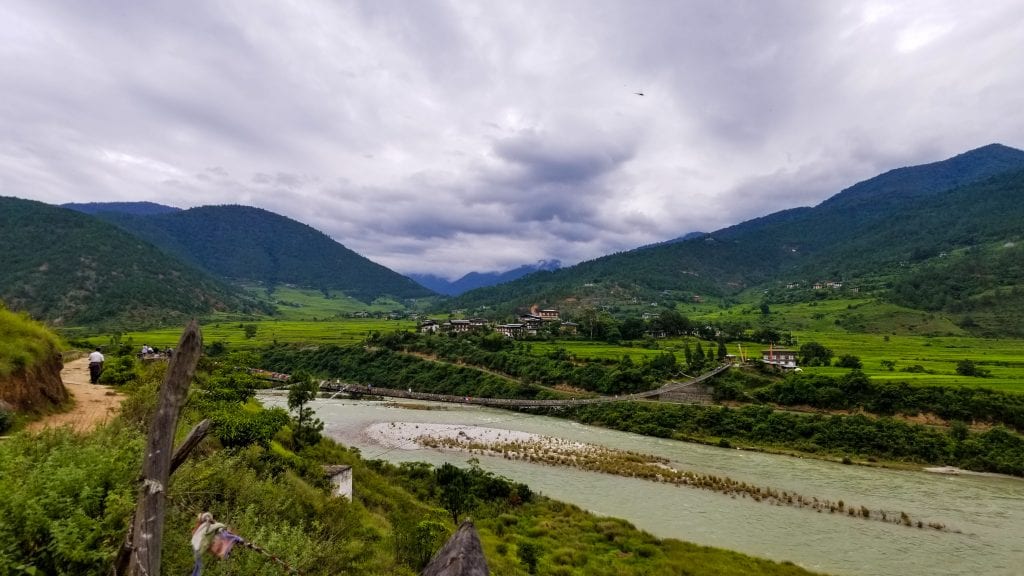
[{"x": 94, "y": 404}]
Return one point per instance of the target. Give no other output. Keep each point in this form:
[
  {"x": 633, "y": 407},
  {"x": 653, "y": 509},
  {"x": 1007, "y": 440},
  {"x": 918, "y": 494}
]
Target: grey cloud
[{"x": 449, "y": 135}]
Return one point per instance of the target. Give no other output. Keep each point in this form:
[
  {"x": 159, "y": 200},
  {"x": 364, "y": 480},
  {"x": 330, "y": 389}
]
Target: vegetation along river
[{"x": 985, "y": 513}]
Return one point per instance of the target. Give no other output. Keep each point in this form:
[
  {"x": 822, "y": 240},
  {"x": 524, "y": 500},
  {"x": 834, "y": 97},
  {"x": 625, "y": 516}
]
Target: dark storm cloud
[{"x": 443, "y": 136}]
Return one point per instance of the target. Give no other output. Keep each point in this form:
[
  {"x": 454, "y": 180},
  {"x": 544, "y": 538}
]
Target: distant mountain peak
[{"x": 475, "y": 280}]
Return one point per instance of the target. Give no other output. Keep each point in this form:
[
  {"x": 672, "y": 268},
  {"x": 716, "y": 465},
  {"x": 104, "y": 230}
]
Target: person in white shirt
[{"x": 95, "y": 365}]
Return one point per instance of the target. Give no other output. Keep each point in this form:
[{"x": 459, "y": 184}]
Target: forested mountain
[
  {"x": 136, "y": 208},
  {"x": 475, "y": 280},
  {"x": 889, "y": 223},
  {"x": 241, "y": 243},
  {"x": 72, "y": 269}
]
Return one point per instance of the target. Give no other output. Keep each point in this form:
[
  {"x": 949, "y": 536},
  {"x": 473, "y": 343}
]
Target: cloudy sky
[{"x": 446, "y": 137}]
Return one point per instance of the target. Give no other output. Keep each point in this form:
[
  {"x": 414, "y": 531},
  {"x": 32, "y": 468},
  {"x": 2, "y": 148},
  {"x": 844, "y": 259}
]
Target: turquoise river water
[{"x": 987, "y": 510}]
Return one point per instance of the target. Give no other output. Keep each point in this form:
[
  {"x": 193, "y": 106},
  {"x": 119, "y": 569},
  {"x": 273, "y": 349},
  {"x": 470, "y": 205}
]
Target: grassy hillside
[
  {"x": 242, "y": 243},
  {"x": 72, "y": 269},
  {"x": 873, "y": 232},
  {"x": 23, "y": 342}
]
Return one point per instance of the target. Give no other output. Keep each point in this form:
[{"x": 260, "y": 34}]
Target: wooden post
[
  {"x": 148, "y": 529},
  {"x": 181, "y": 453}
]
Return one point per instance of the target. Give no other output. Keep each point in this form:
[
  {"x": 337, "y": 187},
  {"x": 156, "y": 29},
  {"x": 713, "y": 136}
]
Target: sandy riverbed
[{"x": 411, "y": 435}]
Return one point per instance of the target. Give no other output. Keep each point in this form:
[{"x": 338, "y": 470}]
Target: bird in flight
[{"x": 638, "y": 93}]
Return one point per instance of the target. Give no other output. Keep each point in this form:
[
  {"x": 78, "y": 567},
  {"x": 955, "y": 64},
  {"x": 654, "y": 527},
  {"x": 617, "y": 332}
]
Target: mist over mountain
[{"x": 475, "y": 280}]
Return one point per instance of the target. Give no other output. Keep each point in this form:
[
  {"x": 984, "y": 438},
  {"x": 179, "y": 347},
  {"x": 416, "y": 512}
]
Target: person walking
[{"x": 95, "y": 365}]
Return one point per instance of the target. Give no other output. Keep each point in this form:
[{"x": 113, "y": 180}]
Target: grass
[
  {"x": 572, "y": 542},
  {"x": 307, "y": 304},
  {"x": 876, "y": 331},
  {"x": 938, "y": 356},
  {"x": 341, "y": 332},
  {"x": 23, "y": 342}
]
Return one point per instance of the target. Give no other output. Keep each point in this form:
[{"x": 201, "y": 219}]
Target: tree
[
  {"x": 969, "y": 368},
  {"x": 250, "y": 331},
  {"x": 699, "y": 359},
  {"x": 456, "y": 489},
  {"x": 307, "y": 427},
  {"x": 527, "y": 553},
  {"x": 849, "y": 361},
  {"x": 722, "y": 352},
  {"x": 815, "y": 354},
  {"x": 632, "y": 328}
]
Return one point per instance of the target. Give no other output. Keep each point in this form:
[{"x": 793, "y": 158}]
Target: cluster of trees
[
  {"x": 856, "y": 391},
  {"x": 390, "y": 369},
  {"x": 995, "y": 450},
  {"x": 497, "y": 353}
]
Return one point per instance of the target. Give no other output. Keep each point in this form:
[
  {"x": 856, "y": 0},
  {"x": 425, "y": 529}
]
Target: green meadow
[
  {"x": 922, "y": 348},
  {"x": 307, "y": 304},
  {"x": 233, "y": 333}
]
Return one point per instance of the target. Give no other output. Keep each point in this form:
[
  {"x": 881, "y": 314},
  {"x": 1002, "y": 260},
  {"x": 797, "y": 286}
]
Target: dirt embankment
[
  {"x": 94, "y": 404},
  {"x": 37, "y": 389}
]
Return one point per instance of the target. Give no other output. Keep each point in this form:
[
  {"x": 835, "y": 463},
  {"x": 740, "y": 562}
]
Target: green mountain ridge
[
  {"x": 246, "y": 244},
  {"x": 880, "y": 227},
  {"x": 72, "y": 269}
]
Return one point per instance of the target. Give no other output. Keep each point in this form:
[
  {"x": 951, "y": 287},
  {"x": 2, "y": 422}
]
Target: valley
[{"x": 906, "y": 343}]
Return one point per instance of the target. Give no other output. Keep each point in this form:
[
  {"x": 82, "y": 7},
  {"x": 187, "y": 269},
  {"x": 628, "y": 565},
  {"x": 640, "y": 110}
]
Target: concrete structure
[{"x": 340, "y": 476}]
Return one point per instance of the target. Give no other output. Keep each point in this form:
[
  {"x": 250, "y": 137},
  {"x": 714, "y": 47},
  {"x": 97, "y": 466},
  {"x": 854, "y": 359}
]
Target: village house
[
  {"x": 531, "y": 322},
  {"x": 511, "y": 330},
  {"x": 457, "y": 326},
  {"x": 779, "y": 357},
  {"x": 428, "y": 327},
  {"x": 548, "y": 314}
]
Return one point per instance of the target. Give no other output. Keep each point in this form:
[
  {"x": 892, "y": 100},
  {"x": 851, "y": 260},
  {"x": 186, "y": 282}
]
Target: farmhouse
[
  {"x": 548, "y": 314},
  {"x": 779, "y": 357},
  {"x": 511, "y": 330}
]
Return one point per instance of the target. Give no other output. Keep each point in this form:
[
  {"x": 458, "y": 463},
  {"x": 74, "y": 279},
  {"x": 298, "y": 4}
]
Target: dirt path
[{"x": 94, "y": 404}]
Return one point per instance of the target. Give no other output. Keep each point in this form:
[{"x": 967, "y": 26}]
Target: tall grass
[{"x": 23, "y": 342}]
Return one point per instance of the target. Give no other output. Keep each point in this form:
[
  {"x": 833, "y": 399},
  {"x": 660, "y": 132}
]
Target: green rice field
[
  {"x": 343, "y": 331},
  {"x": 922, "y": 347}
]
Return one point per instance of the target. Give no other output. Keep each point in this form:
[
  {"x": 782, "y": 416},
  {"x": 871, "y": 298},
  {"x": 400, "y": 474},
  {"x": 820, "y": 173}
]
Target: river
[{"x": 988, "y": 510}]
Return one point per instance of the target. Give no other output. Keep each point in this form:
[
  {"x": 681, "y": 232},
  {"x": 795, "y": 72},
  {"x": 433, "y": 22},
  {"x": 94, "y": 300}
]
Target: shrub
[
  {"x": 120, "y": 370},
  {"x": 237, "y": 426},
  {"x": 849, "y": 361},
  {"x": 969, "y": 368},
  {"x": 6, "y": 420}
]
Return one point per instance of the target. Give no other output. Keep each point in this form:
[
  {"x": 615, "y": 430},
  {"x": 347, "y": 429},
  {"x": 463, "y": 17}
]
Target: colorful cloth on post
[{"x": 212, "y": 536}]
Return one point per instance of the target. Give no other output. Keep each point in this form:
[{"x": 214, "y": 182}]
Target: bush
[
  {"x": 969, "y": 368},
  {"x": 6, "y": 420},
  {"x": 120, "y": 370},
  {"x": 237, "y": 426},
  {"x": 849, "y": 361}
]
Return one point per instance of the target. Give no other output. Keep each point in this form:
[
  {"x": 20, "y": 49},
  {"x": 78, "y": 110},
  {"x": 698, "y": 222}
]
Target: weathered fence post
[{"x": 148, "y": 528}]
